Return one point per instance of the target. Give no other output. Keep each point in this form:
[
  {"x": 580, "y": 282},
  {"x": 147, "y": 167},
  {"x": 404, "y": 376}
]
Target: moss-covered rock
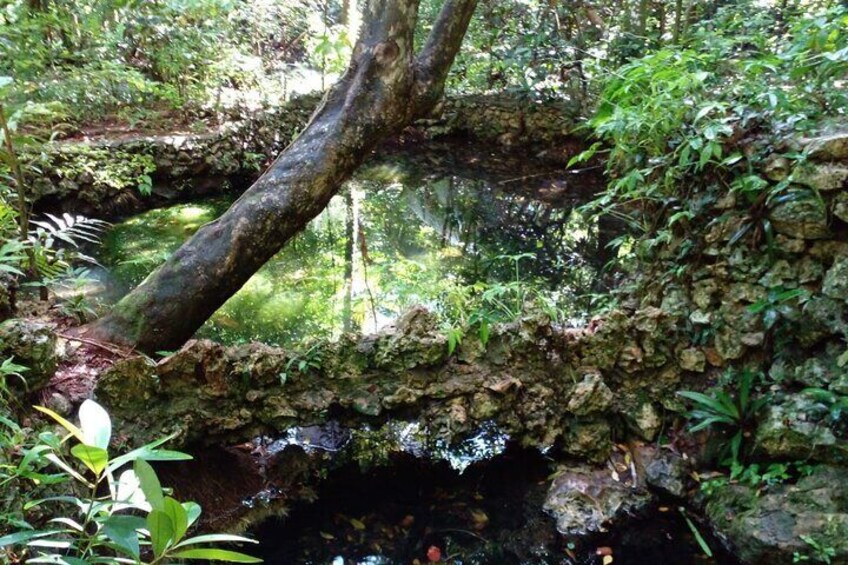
[
  {"x": 32, "y": 345},
  {"x": 789, "y": 431},
  {"x": 836, "y": 279},
  {"x": 771, "y": 527},
  {"x": 804, "y": 218}
]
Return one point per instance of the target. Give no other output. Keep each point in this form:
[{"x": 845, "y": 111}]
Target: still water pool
[{"x": 477, "y": 236}]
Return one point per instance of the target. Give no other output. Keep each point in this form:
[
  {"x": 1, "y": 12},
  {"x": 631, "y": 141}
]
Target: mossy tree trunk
[{"x": 385, "y": 86}]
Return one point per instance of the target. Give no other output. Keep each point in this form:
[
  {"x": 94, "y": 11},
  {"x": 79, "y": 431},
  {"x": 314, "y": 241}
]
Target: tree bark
[{"x": 385, "y": 86}]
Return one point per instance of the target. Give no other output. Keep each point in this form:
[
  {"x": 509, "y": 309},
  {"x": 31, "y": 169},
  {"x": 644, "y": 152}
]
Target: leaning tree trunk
[{"x": 385, "y": 86}]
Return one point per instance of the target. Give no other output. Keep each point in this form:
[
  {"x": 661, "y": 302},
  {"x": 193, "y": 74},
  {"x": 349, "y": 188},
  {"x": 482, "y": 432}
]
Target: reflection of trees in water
[
  {"x": 414, "y": 234},
  {"x": 487, "y": 223}
]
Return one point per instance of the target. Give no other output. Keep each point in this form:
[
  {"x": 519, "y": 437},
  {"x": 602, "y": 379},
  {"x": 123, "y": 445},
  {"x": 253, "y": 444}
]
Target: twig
[
  {"x": 551, "y": 173},
  {"x": 117, "y": 351},
  {"x": 458, "y": 531}
]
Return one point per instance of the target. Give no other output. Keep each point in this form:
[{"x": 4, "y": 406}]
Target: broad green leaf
[
  {"x": 211, "y": 554},
  {"x": 149, "y": 483},
  {"x": 95, "y": 424},
  {"x": 94, "y": 458},
  {"x": 161, "y": 531},
  {"x": 193, "y": 511},
  {"x": 122, "y": 531},
  {"x": 178, "y": 516}
]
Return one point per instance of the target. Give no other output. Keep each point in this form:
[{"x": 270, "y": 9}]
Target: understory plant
[
  {"x": 110, "y": 510},
  {"x": 674, "y": 122},
  {"x": 732, "y": 412}
]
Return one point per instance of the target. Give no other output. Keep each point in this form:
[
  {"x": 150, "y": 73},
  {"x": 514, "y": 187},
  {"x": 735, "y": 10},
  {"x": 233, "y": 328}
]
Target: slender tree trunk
[
  {"x": 678, "y": 21},
  {"x": 385, "y": 87},
  {"x": 347, "y": 304}
]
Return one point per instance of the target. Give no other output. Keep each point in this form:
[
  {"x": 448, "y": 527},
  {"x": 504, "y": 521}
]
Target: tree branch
[{"x": 436, "y": 57}]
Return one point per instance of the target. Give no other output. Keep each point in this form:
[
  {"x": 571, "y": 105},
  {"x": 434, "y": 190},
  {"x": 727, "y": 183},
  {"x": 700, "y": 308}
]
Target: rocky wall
[{"x": 109, "y": 176}]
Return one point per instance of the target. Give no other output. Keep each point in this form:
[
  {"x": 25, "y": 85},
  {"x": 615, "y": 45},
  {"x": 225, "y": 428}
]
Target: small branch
[
  {"x": 436, "y": 57},
  {"x": 102, "y": 345}
]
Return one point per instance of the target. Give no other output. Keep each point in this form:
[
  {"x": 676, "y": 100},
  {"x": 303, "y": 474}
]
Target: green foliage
[
  {"x": 821, "y": 552},
  {"x": 9, "y": 370},
  {"x": 779, "y": 304},
  {"x": 732, "y": 412},
  {"x": 673, "y": 118},
  {"x": 102, "y": 516},
  {"x": 831, "y": 406}
]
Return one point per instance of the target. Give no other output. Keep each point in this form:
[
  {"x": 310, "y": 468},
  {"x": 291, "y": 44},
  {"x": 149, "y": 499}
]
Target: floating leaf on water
[
  {"x": 327, "y": 536},
  {"x": 357, "y": 524}
]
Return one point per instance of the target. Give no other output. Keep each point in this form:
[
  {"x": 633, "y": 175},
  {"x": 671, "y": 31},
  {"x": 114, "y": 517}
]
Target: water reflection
[{"x": 477, "y": 239}]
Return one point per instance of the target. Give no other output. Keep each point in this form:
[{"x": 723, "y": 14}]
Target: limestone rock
[
  {"x": 728, "y": 344},
  {"x": 590, "y": 396},
  {"x": 836, "y": 279},
  {"x": 840, "y": 206},
  {"x": 589, "y": 439},
  {"x": 692, "y": 359},
  {"x": 645, "y": 421},
  {"x": 833, "y": 147},
  {"x": 788, "y": 431},
  {"x": 584, "y": 500},
  {"x": 7, "y": 296},
  {"x": 822, "y": 176},
  {"x": 769, "y": 527},
  {"x": 777, "y": 168},
  {"x": 663, "y": 470},
  {"x": 803, "y": 219},
  {"x": 32, "y": 345}
]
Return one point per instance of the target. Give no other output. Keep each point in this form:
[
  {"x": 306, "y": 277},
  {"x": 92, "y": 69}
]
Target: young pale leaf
[
  {"x": 211, "y": 554},
  {"x": 75, "y": 431},
  {"x": 94, "y": 458},
  {"x": 149, "y": 483},
  {"x": 95, "y": 424},
  {"x": 128, "y": 493},
  {"x": 214, "y": 538}
]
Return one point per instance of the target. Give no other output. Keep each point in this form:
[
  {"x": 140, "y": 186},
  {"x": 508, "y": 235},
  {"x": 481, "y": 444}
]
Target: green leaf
[
  {"x": 178, "y": 516},
  {"x": 193, "y": 511},
  {"x": 709, "y": 402},
  {"x": 216, "y": 555},
  {"x": 149, "y": 453},
  {"x": 122, "y": 531},
  {"x": 18, "y": 538},
  {"x": 150, "y": 485},
  {"x": 214, "y": 538},
  {"x": 161, "y": 531},
  {"x": 94, "y": 458}
]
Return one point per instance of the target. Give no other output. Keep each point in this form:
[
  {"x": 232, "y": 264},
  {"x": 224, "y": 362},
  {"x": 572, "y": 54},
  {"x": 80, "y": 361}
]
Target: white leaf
[
  {"x": 95, "y": 424},
  {"x": 129, "y": 494}
]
